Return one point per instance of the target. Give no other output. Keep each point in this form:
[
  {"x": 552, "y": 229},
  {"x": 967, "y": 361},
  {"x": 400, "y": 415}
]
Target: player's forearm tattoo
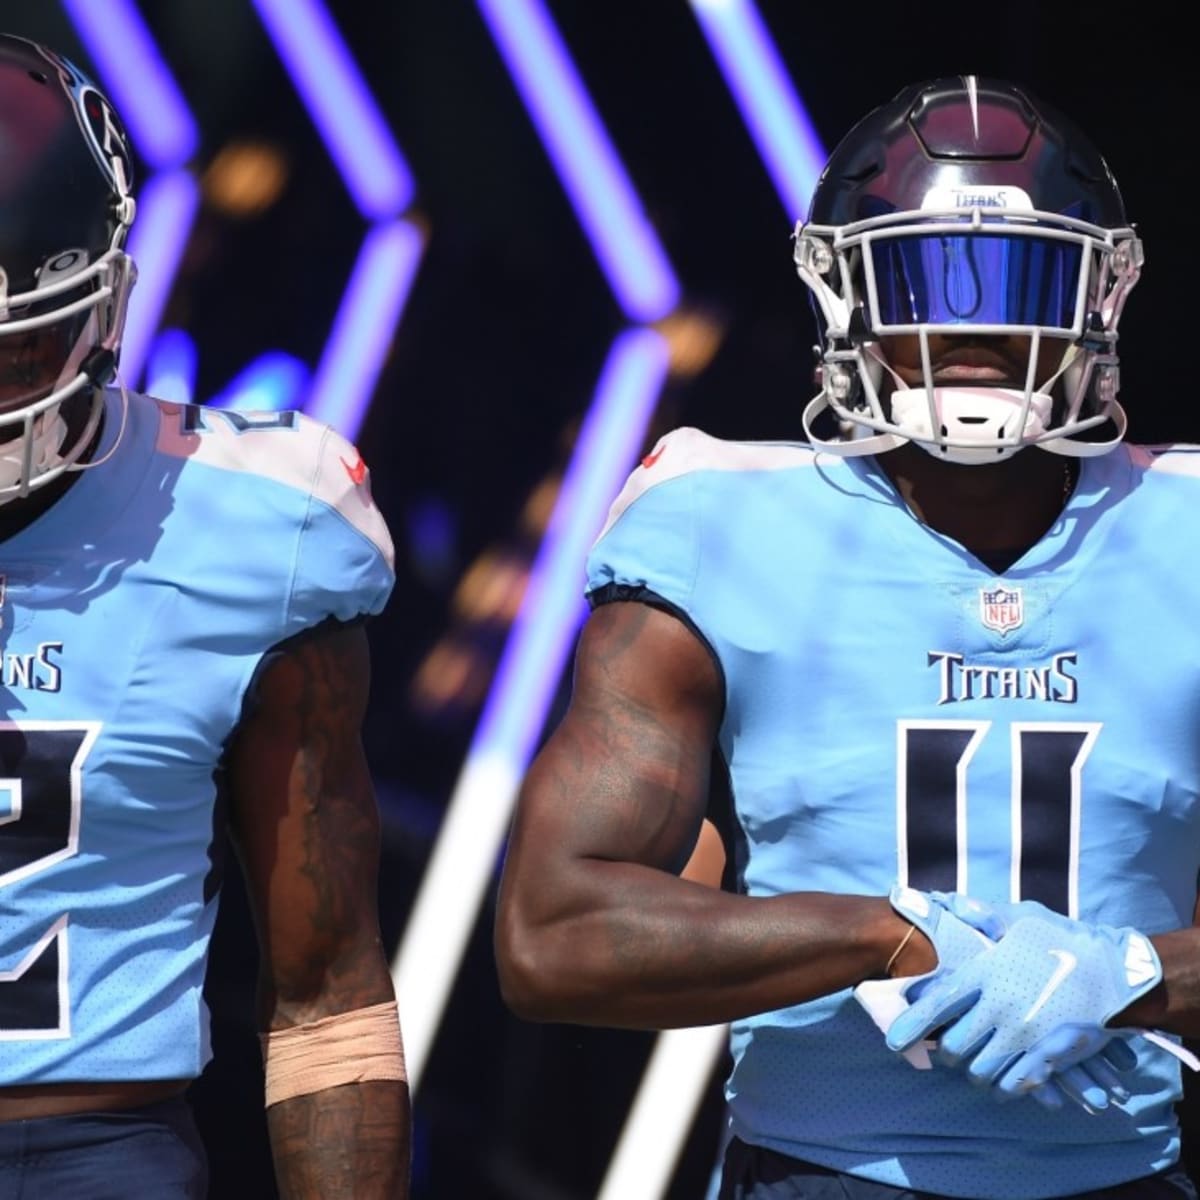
[
  {"x": 342, "y": 1142},
  {"x": 340, "y": 830},
  {"x": 353, "y": 1139}
]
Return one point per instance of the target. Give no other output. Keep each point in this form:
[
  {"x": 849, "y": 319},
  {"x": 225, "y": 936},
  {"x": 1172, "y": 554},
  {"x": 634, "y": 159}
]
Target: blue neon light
[
  {"x": 271, "y": 383},
  {"x": 166, "y": 208},
  {"x": 340, "y": 104},
  {"x": 552, "y": 609},
  {"x": 604, "y": 199},
  {"x": 362, "y": 331},
  {"x": 137, "y": 80},
  {"x": 171, "y": 367},
  {"x": 772, "y": 109}
]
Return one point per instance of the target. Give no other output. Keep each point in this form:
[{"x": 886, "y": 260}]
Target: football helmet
[
  {"x": 966, "y": 208},
  {"x": 65, "y": 210}
]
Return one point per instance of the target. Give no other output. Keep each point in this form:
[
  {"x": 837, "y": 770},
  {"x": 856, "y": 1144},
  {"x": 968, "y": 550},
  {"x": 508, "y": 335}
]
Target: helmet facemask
[{"x": 64, "y": 337}]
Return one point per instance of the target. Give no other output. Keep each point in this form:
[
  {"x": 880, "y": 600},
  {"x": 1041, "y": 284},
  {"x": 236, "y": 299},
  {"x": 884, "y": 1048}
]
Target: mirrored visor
[{"x": 976, "y": 279}]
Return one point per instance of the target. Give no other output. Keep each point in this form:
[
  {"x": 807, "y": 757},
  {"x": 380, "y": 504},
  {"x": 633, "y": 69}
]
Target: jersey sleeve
[
  {"x": 650, "y": 541},
  {"x": 344, "y": 565}
]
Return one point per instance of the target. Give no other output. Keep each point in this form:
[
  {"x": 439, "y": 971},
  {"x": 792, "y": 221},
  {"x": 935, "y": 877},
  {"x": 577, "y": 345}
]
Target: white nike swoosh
[{"x": 1067, "y": 962}]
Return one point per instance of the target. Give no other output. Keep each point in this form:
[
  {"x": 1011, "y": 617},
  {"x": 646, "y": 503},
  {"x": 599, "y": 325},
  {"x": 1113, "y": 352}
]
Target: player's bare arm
[
  {"x": 594, "y": 924},
  {"x": 307, "y": 829}
]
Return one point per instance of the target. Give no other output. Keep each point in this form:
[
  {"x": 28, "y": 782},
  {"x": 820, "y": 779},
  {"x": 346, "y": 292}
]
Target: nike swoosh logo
[
  {"x": 1067, "y": 962},
  {"x": 651, "y": 459},
  {"x": 357, "y": 471}
]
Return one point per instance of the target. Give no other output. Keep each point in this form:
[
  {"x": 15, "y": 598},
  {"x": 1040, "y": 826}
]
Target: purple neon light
[
  {"x": 604, "y": 199},
  {"x": 362, "y": 331},
  {"x": 273, "y": 382},
  {"x": 773, "y": 111},
  {"x": 171, "y": 367},
  {"x": 340, "y": 105},
  {"x": 137, "y": 80},
  {"x": 166, "y": 208},
  {"x": 552, "y": 608}
]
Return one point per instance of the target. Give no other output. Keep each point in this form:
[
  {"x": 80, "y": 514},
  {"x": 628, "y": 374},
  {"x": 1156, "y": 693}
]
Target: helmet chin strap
[
  {"x": 967, "y": 415},
  {"x": 970, "y": 414},
  {"x": 963, "y": 423},
  {"x": 959, "y": 424},
  {"x": 96, "y": 462}
]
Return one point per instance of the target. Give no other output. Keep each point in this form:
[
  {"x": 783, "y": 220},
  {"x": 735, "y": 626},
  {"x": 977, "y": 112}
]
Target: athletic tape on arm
[{"x": 350, "y": 1047}]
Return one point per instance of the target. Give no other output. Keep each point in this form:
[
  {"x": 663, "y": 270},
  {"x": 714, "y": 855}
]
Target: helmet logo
[
  {"x": 104, "y": 134},
  {"x": 1005, "y": 196}
]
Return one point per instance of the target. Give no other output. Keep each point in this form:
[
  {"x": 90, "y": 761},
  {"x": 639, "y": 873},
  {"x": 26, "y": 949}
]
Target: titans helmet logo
[
  {"x": 102, "y": 128},
  {"x": 106, "y": 137}
]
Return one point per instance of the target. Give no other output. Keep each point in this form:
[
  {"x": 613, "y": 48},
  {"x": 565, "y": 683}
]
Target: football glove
[
  {"x": 955, "y": 941},
  {"x": 1035, "y": 1005},
  {"x": 1091, "y": 1084}
]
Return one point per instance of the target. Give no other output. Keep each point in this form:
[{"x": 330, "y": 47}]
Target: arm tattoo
[
  {"x": 310, "y": 831},
  {"x": 345, "y": 1141},
  {"x": 338, "y": 837}
]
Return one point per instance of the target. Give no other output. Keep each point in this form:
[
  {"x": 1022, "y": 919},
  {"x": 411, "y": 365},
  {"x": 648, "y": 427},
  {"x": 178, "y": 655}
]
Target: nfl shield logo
[{"x": 1001, "y": 609}]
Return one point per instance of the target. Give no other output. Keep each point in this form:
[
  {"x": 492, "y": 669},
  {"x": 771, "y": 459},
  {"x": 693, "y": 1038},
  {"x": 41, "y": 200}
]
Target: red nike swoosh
[
  {"x": 357, "y": 471},
  {"x": 651, "y": 459}
]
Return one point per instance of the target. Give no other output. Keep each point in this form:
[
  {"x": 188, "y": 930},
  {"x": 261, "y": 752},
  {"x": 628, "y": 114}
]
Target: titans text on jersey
[
  {"x": 38, "y": 669},
  {"x": 961, "y": 680}
]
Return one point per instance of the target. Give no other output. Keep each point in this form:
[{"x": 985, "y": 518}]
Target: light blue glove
[
  {"x": 959, "y": 928},
  {"x": 1091, "y": 1083},
  {"x": 955, "y": 942},
  {"x": 1035, "y": 1005},
  {"x": 952, "y": 922}
]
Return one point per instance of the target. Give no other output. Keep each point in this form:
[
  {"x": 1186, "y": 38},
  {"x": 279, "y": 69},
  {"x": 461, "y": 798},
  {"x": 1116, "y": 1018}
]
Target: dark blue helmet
[
  {"x": 967, "y": 206},
  {"x": 66, "y": 206}
]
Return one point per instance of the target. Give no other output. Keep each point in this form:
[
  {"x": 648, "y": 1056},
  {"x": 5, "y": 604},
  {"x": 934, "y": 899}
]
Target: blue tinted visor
[{"x": 976, "y": 279}]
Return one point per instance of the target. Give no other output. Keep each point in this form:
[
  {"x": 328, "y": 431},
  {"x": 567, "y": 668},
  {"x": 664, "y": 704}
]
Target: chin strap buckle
[{"x": 100, "y": 366}]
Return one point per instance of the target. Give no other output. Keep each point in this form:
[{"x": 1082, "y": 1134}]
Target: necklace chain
[{"x": 1068, "y": 485}]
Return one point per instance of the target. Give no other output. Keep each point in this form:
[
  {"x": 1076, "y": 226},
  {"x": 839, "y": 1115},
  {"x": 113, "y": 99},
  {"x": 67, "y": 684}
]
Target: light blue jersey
[
  {"x": 896, "y": 711},
  {"x": 134, "y": 614}
]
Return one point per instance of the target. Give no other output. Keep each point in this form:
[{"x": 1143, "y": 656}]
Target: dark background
[{"x": 496, "y": 359}]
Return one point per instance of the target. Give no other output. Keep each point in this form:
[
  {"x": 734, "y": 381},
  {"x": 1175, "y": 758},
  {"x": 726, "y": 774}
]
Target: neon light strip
[
  {"x": 362, "y": 331},
  {"x": 341, "y": 105},
  {"x": 792, "y": 152},
  {"x": 166, "y": 208},
  {"x": 661, "y": 1118},
  {"x": 773, "y": 111},
  {"x": 171, "y": 367},
  {"x": 137, "y": 80},
  {"x": 273, "y": 382},
  {"x": 535, "y": 655},
  {"x": 604, "y": 200}
]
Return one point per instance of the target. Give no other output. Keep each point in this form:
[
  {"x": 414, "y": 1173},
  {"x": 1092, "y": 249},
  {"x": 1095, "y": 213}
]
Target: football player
[
  {"x": 967, "y": 792},
  {"x": 183, "y": 597}
]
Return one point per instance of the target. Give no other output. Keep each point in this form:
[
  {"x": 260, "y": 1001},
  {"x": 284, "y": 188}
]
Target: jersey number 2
[{"x": 41, "y": 786}]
